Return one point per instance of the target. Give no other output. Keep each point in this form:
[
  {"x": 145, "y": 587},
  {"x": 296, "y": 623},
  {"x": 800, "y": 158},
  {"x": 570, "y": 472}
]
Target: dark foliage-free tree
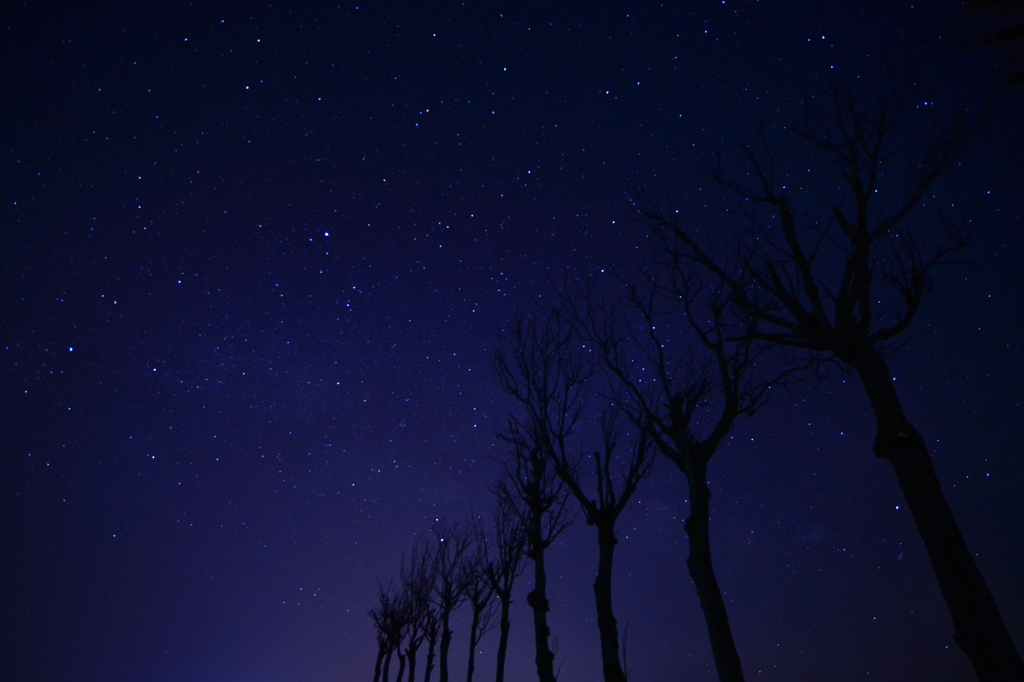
[
  {"x": 382, "y": 641},
  {"x": 480, "y": 597},
  {"x": 844, "y": 283},
  {"x": 545, "y": 516},
  {"x": 549, "y": 388},
  {"x": 432, "y": 630},
  {"x": 505, "y": 550},
  {"x": 602, "y": 512},
  {"x": 389, "y": 619},
  {"x": 417, "y": 579},
  {"x": 401, "y": 664},
  {"x": 450, "y": 580},
  {"x": 684, "y": 385}
]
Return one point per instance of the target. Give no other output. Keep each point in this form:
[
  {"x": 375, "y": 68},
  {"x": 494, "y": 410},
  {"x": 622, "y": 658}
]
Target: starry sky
[{"x": 254, "y": 259}]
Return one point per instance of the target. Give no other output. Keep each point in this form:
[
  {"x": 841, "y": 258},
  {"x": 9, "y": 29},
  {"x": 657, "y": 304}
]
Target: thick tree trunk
[
  {"x": 538, "y": 601},
  {"x": 723, "y": 648},
  {"x": 446, "y": 642},
  {"x": 473, "y": 641},
  {"x": 978, "y": 627},
  {"x": 603, "y": 597},
  {"x": 499, "y": 675},
  {"x": 387, "y": 665}
]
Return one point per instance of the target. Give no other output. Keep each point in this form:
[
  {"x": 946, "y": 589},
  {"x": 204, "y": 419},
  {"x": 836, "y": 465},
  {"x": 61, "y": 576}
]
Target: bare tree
[
  {"x": 389, "y": 618},
  {"x": 504, "y": 561},
  {"x": 602, "y": 511},
  {"x": 432, "y": 630},
  {"x": 684, "y": 394},
  {"x": 843, "y": 285},
  {"x": 417, "y": 580},
  {"x": 379, "y": 616},
  {"x": 536, "y": 366},
  {"x": 450, "y": 582},
  {"x": 401, "y": 664},
  {"x": 480, "y": 597}
]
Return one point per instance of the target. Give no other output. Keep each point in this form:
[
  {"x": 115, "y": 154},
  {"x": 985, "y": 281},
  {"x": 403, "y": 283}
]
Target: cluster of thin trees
[
  {"x": 661, "y": 359},
  {"x": 460, "y": 564}
]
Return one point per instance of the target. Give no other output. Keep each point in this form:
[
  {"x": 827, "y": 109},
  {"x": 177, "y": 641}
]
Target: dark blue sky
[{"x": 252, "y": 265}]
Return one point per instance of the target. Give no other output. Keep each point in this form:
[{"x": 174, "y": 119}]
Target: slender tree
[
  {"x": 417, "y": 579},
  {"x": 480, "y": 597},
  {"x": 504, "y": 561},
  {"x": 685, "y": 394},
  {"x": 432, "y": 630},
  {"x": 401, "y": 664},
  {"x": 602, "y": 511},
  {"x": 450, "y": 580},
  {"x": 382, "y": 642},
  {"x": 545, "y": 377},
  {"x": 389, "y": 618},
  {"x": 845, "y": 284}
]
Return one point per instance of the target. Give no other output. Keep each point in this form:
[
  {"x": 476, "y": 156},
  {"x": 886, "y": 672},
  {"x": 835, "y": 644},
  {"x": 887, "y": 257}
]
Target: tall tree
[
  {"x": 383, "y": 643},
  {"x": 684, "y": 393},
  {"x": 480, "y": 597},
  {"x": 544, "y": 376},
  {"x": 504, "y": 561},
  {"x": 843, "y": 284},
  {"x": 417, "y": 580},
  {"x": 401, "y": 664},
  {"x": 602, "y": 511},
  {"x": 432, "y": 630},
  {"x": 389, "y": 619},
  {"x": 450, "y": 580}
]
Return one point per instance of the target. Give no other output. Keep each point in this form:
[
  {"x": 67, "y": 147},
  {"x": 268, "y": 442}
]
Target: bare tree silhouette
[
  {"x": 389, "y": 618},
  {"x": 417, "y": 579},
  {"x": 432, "y": 630},
  {"x": 549, "y": 388},
  {"x": 603, "y": 510},
  {"x": 545, "y": 369},
  {"x": 504, "y": 553},
  {"x": 480, "y": 597},
  {"x": 684, "y": 385},
  {"x": 450, "y": 580},
  {"x": 842, "y": 284}
]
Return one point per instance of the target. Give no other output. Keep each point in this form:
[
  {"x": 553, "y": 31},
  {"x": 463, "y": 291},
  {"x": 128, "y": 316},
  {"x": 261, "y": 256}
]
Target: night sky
[{"x": 253, "y": 263}]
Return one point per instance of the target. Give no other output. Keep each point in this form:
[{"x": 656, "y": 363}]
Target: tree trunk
[
  {"x": 387, "y": 665},
  {"x": 499, "y": 675},
  {"x": 429, "y": 666},
  {"x": 401, "y": 666},
  {"x": 538, "y": 601},
  {"x": 473, "y": 627},
  {"x": 723, "y": 648},
  {"x": 446, "y": 642},
  {"x": 410, "y": 654},
  {"x": 978, "y": 627},
  {"x": 606, "y": 623}
]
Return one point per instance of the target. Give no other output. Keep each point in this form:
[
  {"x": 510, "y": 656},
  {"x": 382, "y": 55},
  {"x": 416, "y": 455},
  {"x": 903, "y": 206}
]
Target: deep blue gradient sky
[{"x": 253, "y": 262}]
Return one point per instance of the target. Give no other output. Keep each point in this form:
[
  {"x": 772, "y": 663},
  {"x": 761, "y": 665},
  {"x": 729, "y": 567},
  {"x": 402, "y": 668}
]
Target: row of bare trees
[
  {"x": 458, "y": 564},
  {"x": 643, "y": 369},
  {"x": 838, "y": 281},
  {"x": 668, "y": 355}
]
